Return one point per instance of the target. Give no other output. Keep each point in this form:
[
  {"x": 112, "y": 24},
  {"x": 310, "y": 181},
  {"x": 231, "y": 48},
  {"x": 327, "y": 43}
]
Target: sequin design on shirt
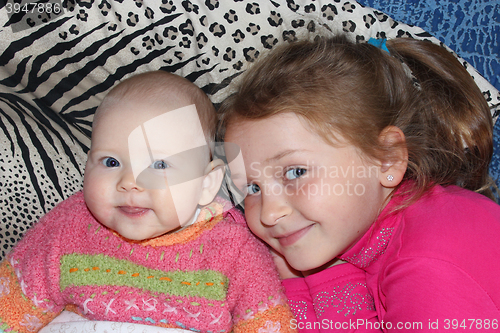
[
  {"x": 299, "y": 309},
  {"x": 347, "y": 299},
  {"x": 375, "y": 249}
]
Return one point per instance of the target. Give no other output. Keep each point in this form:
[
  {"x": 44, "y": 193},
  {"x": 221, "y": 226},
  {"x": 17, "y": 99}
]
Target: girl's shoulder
[
  {"x": 455, "y": 202},
  {"x": 449, "y": 221},
  {"x": 449, "y": 237}
]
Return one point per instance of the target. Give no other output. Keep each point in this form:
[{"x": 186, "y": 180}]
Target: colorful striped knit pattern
[{"x": 213, "y": 276}]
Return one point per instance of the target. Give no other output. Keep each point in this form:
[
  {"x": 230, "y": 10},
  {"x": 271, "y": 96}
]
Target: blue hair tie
[{"x": 380, "y": 43}]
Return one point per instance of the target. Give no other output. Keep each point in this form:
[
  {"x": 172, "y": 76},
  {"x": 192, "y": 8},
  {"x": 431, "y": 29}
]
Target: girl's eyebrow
[{"x": 283, "y": 154}]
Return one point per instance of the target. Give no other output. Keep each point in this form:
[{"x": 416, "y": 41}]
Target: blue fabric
[
  {"x": 469, "y": 27},
  {"x": 495, "y": 161}
]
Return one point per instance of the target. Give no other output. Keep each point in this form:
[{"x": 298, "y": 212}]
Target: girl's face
[{"x": 307, "y": 199}]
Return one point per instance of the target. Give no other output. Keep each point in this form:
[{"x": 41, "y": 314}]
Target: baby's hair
[
  {"x": 164, "y": 88},
  {"x": 356, "y": 90}
]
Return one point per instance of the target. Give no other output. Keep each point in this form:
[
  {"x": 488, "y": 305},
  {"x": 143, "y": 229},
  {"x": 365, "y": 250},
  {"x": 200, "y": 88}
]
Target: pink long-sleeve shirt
[{"x": 431, "y": 267}]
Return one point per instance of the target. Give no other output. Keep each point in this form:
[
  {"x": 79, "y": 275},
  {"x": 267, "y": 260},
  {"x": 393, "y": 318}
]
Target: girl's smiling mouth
[{"x": 293, "y": 237}]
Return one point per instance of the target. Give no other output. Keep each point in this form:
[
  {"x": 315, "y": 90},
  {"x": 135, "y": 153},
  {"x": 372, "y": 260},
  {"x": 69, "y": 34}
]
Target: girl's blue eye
[
  {"x": 160, "y": 165},
  {"x": 295, "y": 173},
  {"x": 111, "y": 162},
  {"x": 252, "y": 189}
]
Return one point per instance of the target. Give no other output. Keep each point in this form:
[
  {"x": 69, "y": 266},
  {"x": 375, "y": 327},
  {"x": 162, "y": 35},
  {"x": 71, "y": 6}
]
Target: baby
[{"x": 145, "y": 242}]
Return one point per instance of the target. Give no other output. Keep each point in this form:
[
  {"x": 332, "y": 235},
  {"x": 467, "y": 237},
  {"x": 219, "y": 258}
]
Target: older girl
[{"x": 366, "y": 171}]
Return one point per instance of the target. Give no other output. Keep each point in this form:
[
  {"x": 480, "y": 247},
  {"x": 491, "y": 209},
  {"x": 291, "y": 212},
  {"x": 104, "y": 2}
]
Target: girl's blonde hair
[{"x": 357, "y": 90}]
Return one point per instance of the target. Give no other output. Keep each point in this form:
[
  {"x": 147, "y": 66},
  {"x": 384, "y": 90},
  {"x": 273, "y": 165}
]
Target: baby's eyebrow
[{"x": 99, "y": 152}]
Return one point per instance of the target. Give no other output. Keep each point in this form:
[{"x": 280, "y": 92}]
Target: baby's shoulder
[
  {"x": 73, "y": 204},
  {"x": 67, "y": 214},
  {"x": 232, "y": 229},
  {"x": 59, "y": 228}
]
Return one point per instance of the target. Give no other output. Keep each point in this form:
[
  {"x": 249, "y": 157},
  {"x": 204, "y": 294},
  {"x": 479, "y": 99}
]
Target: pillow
[{"x": 55, "y": 68}]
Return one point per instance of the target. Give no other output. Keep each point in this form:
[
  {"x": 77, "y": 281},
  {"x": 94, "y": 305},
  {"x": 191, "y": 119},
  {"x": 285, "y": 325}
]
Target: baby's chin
[
  {"x": 140, "y": 225},
  {"x": 140, "y": 233},
  {"x": 140, "y": 237}
]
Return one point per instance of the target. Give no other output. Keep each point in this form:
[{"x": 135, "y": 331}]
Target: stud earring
[{"x": 390, "y": 178}]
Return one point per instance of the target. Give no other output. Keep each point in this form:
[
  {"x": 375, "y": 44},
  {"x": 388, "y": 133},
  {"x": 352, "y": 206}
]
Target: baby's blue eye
[
  {"x": 159, "y": 165},
  {"x": 111, "y": 162},
  {"x": 295, "y": 173},
  {"x": 252, "y": 189}
]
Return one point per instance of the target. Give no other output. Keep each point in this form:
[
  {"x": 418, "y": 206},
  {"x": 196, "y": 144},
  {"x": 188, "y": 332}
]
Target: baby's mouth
[{"x": 133, "y": 211}]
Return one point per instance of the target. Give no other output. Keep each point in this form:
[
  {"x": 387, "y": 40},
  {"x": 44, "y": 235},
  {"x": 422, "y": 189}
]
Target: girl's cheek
[{"x": 303, "y": 188}]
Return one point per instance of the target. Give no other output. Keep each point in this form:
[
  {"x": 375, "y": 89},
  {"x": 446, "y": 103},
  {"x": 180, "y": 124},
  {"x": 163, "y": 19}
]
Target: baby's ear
[
  {"x": 214, "y": 174},
  {"x": 393, "y": 168}
]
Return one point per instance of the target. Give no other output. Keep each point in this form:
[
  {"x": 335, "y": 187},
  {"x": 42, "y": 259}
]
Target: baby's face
[{"x": 144, "y": 172}]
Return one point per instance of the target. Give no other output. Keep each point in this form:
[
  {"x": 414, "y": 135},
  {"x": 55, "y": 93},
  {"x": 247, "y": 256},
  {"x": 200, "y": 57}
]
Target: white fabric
[{"x": 69, "y": 322}]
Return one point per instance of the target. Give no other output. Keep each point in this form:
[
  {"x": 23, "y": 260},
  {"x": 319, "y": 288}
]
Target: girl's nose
[{"x": 274, "y": 205}]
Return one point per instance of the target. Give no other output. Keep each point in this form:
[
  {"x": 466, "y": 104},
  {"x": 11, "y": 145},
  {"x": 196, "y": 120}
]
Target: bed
[{"x": 58, "y": 61}]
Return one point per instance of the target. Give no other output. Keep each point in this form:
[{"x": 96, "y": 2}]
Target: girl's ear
[
  {"x": 393, "y": 168},
  {"x": 214, "y": 173}
]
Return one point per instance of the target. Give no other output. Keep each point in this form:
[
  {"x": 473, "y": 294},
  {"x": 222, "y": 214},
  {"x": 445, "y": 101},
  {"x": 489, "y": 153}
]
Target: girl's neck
[{"x": 333, "y": 262}]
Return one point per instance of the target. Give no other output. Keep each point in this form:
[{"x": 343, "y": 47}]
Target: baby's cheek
[
  {"x": 96, "y": 207},
  {"x": 97, "y": 197},
  {"x": 93, "y": 182},
  {"x": 252, "y": 212}
]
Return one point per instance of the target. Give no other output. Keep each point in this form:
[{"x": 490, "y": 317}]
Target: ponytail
[{"x": 449, "y": 139}]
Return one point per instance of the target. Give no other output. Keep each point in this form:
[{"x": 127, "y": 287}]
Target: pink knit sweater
[
  {"x": 432, "y": 267},
  {"x": 213, "y": 276}
]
